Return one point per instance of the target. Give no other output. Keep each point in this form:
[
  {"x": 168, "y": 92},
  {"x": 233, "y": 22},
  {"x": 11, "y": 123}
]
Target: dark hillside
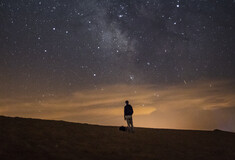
[{"x": 32, "y": 139}]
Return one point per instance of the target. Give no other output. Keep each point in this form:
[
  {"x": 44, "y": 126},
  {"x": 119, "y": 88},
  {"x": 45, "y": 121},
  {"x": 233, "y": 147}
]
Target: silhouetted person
[{"x": 128, "y": 111}]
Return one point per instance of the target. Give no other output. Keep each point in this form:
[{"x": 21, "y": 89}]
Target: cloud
[{"x": 199, "y": 105}]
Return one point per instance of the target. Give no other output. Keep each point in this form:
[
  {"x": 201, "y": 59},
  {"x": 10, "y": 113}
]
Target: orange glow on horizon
[{"x": 200, "y": 105}]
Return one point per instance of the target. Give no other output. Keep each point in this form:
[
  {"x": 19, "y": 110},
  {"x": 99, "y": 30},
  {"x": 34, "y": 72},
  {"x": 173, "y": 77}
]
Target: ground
[{"x": 34, "y": 139}]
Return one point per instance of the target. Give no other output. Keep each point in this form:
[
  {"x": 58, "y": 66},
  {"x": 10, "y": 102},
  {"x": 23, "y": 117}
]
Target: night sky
[{"x": 80, "y": 60}]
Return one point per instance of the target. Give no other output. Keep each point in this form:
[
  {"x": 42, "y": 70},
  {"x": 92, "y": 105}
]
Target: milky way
[
  {"x": 51, "y": 48},
  {"x": 54, "y": 45}
]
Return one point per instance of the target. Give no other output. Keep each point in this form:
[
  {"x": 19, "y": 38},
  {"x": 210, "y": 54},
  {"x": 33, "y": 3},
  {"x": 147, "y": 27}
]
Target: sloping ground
[{"x": 32, "y": 139}]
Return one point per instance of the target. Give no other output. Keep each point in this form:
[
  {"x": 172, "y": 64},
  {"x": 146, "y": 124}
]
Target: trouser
[{"x": 129, "y": 123}]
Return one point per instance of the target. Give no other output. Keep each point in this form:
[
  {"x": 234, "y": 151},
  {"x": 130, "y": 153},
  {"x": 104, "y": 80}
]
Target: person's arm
[{"x": 132, "y": 110}]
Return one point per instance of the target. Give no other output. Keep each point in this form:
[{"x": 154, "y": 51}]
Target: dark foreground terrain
[{"x": 32, "y": 139}]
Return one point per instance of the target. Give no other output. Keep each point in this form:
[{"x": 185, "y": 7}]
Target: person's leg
[
  {"x": 128, "y": 124},
  {"x": 131, "y": 124}
]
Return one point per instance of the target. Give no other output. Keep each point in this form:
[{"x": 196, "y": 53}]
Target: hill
[{"x": 33, "y": 139}]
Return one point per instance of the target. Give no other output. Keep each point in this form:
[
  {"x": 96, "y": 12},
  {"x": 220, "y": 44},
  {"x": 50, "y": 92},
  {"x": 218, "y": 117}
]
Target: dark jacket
[{"x": 128, "y": 110}]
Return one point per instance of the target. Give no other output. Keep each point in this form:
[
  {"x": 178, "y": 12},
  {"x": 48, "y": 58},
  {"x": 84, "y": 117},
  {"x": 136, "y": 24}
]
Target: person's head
[{"x": 127, "y": 102}]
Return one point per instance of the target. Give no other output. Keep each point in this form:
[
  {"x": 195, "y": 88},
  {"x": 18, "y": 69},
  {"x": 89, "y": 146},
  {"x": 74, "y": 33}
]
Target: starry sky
[{"x": 80, "y": 60}]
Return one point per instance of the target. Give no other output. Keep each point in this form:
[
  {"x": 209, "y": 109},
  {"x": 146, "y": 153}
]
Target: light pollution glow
[{"x": 198, "y": 105}]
